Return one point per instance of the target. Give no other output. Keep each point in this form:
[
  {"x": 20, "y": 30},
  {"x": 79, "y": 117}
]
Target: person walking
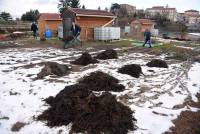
[
  {"x": 147, "y": 35},
  {"x": 34, "y": 28}
]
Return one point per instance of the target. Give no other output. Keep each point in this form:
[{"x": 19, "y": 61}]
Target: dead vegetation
[{"x": 178, "y": 53}]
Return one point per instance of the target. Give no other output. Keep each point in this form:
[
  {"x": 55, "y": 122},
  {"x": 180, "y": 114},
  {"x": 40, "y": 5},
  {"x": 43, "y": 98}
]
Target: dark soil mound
[
  {"x": 99, "y": 81},
  {"x": 18, "y": 126},
  {"x": 107, "y": 54},
  {"x": 84, "y": 60},
  {"x": 65, "y": 106},
  {"x": 52, "y": 68},
  {"x": 188, "y": 122},
  {"x": 132, "y": 70},
  {"x": 87, "y": 112},
  {"x": 157, "y": 63},
  {"x": 104, "y": 114}
]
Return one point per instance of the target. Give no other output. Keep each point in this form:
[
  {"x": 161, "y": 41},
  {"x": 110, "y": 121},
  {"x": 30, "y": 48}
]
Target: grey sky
[{"x": 17, "y": 7}]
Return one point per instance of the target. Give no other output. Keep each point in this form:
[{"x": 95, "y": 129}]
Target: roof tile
[
  {"x": 92, "y": 12},
  {"x": 50, "y": 16}
]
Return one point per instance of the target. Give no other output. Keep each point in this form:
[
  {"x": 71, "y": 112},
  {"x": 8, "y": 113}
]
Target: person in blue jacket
[
  {"x": 147, "y": 35},
  {"x": 76, "y": 30}
]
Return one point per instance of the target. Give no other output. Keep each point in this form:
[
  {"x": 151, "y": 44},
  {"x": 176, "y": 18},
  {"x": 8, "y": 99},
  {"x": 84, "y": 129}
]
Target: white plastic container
[
  {"x": 155, "y": 32},
  {"x": 114, "y": 33},
  {"x": 127, "y": 29},
  {"x": 106, "y": 33},
  {"x": 60, "y": 32}
]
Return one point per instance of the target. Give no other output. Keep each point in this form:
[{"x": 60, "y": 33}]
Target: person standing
[
  {"x": 34, "y": 28},
  {"x": 76, "y": 31},
  {"x": 147, "y": 35}
]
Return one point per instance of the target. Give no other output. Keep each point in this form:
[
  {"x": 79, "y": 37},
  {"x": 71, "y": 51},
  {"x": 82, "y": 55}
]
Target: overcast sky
[{"x": 18, "y": 7}]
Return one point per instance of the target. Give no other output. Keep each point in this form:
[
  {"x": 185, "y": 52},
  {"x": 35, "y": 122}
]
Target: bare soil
[
  {"x": 99, "y": 81},
  {"x": 88, "y": 112},
  {"x": 107, "y": 54},
  {"x": 132, "y": 70},
  {"x": 17, "y": 126},
  {"x": 157, "y": 63},
  {"x": 188, "y": 122},
  {"x": 53, "y": 68},
  {"x": 85, "y": 60}
]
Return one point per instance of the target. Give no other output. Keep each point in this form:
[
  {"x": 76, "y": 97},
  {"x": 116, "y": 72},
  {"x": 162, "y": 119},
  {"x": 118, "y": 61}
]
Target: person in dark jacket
[
  {"x": 34, "y": 28},
  {"x": 147, "y": 35},
  {"x": 76, "y": 31}
]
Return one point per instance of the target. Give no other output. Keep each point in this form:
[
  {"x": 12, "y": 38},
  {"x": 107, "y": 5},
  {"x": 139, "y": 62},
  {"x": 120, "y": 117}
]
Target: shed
[
  {"x": 140, "y": 25},
  {"x": 49, "y": 20},
  {"x": 88, "y": 19}
]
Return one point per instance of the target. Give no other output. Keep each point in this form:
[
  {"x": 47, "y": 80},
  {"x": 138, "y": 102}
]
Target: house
[
  {"x": 170, "y": 13},
  {"x": 192, "y": 12},
  {"x": 87, "y": 19},
  {"x": 140, "y": 25},
  {"x": 129, "y": 8},
  {"x": 49, "y": 20},
  {"x": 192, "y": 16}
]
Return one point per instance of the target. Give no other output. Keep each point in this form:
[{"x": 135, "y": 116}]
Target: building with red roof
[
  {"x": 140, "y": 25},
  {"x": 49, "y": 20},
  {"x": 86, "y": 18}
]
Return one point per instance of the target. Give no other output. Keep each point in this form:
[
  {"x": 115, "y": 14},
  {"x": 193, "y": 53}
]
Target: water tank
[
  {"x": 127, "y": 29},
  {"x": 60, "y": 32},
  {"x": 48, "y": 33},
  {"x": 114, "y": 33},
  {"x": 154, "y": 32},
  {"x": 106, "y": 33}
]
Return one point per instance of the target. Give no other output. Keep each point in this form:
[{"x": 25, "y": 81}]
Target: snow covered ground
[{"x": 153, "y": 97}]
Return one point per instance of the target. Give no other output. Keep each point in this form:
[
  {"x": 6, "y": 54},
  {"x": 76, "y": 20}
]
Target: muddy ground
[
  {"x": 188, "y": 122},
  {"x": 147, "y": 95}
]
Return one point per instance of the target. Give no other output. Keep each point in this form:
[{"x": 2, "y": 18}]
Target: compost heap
[
  {"x": 53, "y": 68},
  {"x": 133, "y": 70},
  {"x": 107, "y": 54},
  {"x": 87, "y": 112},
  {"x": 99, "y": 81},
  {"x": 85, "y": 59},
  {"x": 157, "y": 63}
]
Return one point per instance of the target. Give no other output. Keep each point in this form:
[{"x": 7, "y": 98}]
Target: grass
[
  {"x": 175, "y": 52},
  {"x": 123, "y": 43},
  {"x": 170, "y": 49}
]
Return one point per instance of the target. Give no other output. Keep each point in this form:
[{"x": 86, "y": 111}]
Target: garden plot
[{"x": 153, "y": 97}]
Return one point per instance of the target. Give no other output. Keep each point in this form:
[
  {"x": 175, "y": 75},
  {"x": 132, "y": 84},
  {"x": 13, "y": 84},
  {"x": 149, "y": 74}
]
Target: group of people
[{"x": 76, "y": 30}]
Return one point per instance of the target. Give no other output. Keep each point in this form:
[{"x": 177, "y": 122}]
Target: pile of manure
[
  {"x": 107, "y": 54},
  {"x": 84, "y": 60},
  {"x": 133, "y": 70}
]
